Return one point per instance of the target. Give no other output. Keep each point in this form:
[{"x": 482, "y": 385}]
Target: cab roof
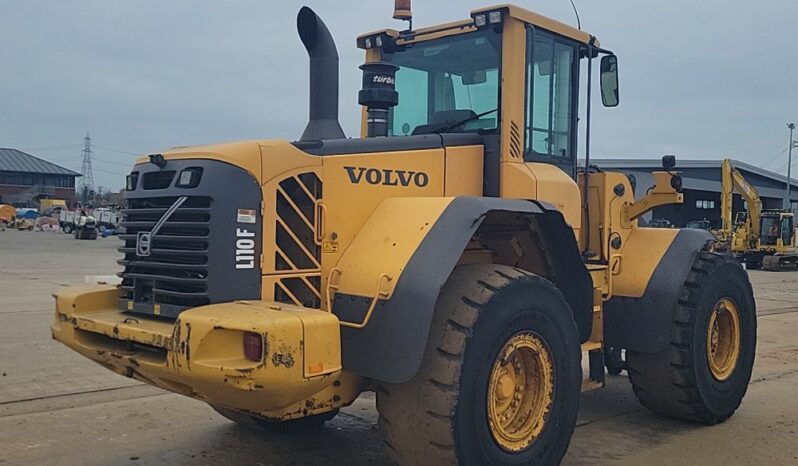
[{"x": 512, "y": 11}]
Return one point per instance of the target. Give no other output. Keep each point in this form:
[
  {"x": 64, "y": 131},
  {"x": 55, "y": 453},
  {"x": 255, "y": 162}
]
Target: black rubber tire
[
  {"x": 101, "y": 228},
  {"x": 67, "y": 229},
  {"x": 677, "y": 382},
  {"x": 253, "y": 421},
  {"x": 440, "y": 416},
  {"x": 613, "y": 360}
]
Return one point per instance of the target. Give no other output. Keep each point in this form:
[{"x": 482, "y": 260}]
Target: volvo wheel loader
[{"x": 454, "y": 258}]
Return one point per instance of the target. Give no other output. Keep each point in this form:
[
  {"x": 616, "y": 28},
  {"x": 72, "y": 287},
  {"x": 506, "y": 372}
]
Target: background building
[
  {"x": 25, "y": 179},
  {"x": 702, "y": 187}
]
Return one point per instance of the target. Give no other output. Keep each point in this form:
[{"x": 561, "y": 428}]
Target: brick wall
[{"x": 9, "y": 191}]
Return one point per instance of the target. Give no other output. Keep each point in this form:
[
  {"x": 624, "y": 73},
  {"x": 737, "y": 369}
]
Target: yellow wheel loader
[
  {"x": 760, "y": 238},
  {"x": 455, "y": 258}
]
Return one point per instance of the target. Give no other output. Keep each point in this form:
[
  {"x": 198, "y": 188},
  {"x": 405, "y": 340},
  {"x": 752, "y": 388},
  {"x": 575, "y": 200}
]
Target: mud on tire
[
  {"x": 679, "y": 382},
  {"x": 440, "y": 416}
]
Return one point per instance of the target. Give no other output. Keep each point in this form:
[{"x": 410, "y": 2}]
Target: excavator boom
[{"x": 732, "y": 178}]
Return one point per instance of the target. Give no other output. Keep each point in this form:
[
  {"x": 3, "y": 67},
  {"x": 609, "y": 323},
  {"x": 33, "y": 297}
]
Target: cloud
[{"x": 699, "y": 79}]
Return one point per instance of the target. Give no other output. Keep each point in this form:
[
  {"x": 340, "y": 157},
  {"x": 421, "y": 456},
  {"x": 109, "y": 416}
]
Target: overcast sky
[{"x": 699, "y": 79}]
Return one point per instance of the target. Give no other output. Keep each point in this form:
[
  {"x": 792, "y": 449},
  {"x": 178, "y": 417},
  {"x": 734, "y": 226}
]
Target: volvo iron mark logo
[{"x": 387, "y": 177}]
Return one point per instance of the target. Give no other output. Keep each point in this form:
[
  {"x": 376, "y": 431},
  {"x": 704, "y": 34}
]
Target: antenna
[
  {"x": 576, "y": 12},
  {"x": 87, "y": 180}
]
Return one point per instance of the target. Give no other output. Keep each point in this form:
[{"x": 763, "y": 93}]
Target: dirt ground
[{"x": 58, "y": 408}]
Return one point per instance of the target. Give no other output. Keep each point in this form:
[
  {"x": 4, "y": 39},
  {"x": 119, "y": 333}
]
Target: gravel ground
[{"x": 59, "y": 408}]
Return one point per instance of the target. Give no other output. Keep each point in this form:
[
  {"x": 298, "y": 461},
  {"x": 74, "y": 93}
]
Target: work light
[{"x": 189, "y": 178}]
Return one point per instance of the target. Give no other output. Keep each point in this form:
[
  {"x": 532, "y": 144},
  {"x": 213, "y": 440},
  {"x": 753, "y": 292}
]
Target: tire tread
[
  {"x": 417, "y": 418},
  {"x": 666, "y": 382}
]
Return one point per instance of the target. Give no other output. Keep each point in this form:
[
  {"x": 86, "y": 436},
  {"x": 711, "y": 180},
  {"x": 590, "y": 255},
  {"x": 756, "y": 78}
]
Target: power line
[
  {"x": 127, "y": 165},
  {"x": 118, "y": 150},
  {"x": 15, "y": 138},
  {"x": 110, "y": 172},
  {"x": 95, "y": 158},
  {"x": 142, "y": 143},
  {"x": 52, "y": 148},
  {"x": 773, "y": 159},
  {"x": 66, "y": 157}
]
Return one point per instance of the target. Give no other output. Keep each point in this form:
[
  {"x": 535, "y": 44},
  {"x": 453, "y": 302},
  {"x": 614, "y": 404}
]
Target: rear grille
[
  {"x": 175, "y": 274},
  {"x": 297, "y": 255}
]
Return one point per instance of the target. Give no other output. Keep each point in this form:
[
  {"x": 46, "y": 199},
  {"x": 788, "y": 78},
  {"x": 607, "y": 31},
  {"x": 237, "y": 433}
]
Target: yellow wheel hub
[
  {"x": 520, "y": 391},
  {"x": 723, "y": 339}
]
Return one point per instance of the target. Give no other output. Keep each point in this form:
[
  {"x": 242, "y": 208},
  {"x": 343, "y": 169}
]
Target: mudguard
[
  {"x": 404, "y": 255},
  {"x": 643, "y": 323}
]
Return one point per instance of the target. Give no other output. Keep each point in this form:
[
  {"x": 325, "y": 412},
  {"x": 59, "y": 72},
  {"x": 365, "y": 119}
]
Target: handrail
[{"x": 379, "y": 294}]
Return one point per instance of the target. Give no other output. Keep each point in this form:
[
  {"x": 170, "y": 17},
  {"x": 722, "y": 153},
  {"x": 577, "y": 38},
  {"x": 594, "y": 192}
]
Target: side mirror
[
  {"x": 609, "y": 80},
  {"x": 668, "y": 162}
]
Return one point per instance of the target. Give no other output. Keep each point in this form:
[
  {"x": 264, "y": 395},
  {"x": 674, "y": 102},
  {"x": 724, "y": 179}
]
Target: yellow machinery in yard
[
  {"x": 454, "y": 259},
  {"x": 9, "y": 219},
  {"x": 760, "y": 238},
  {"x": 45, "y": 204},
  {"x": 7, "y": 213}
]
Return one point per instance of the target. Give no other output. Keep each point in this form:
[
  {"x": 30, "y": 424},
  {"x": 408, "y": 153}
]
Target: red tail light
[{"x": 253, "y": 346}]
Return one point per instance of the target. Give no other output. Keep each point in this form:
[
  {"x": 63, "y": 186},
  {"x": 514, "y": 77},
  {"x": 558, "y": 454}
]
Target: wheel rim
[
  {"x": 520, "y": 391},
  {"x": 723, "y": 339}
]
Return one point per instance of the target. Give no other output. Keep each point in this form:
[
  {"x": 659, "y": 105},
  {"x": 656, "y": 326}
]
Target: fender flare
[
  {"x": 644, "y": 323},
  {"x": 391, "y": 347}
]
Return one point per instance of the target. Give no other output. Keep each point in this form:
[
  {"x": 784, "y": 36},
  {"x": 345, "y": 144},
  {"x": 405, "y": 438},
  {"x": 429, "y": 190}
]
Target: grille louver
[{"x": 176, "y": 272}]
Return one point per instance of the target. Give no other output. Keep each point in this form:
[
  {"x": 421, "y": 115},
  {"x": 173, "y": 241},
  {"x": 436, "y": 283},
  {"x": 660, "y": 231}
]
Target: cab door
[
  {"x": 552, "y": 94},
  {"x": 787, "y": 231}
]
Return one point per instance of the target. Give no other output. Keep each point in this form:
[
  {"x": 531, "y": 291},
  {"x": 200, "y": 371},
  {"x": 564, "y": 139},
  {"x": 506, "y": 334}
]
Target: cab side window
[
  {"x": 787, "y": 230},
  {"x": 551, "y": 94}
]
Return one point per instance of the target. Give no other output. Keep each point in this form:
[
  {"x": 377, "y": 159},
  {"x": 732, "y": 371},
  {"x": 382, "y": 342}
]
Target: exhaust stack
[{"x": 323, "y": 119}]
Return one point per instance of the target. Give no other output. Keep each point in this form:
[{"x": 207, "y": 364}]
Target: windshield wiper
[{"x": 466, "y": 120}]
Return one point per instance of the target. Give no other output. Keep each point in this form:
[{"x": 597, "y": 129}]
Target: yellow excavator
[
  {"x": 455, "y": 258},
  {"x": 760, "y": 238}
]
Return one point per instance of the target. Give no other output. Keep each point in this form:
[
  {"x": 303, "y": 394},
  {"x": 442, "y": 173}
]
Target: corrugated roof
[
  {"x": 13, "y": 160},
  {"x": 654, "y": 163}
]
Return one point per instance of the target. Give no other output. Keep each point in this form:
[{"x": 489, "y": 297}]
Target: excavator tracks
[{"x": 780, "y": 262}]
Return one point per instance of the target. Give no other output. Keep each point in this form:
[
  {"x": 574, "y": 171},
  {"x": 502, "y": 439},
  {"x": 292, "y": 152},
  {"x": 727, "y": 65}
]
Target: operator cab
[
  {"x": 460, "y": 77},
  {"x": 777, "y": 226}
]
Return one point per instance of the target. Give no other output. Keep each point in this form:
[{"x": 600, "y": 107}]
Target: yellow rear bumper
[{"x": 201, "y": 354}]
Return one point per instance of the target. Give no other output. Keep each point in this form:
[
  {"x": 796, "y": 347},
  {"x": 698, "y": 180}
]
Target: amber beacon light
[{"x": 402, "y": 11}]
